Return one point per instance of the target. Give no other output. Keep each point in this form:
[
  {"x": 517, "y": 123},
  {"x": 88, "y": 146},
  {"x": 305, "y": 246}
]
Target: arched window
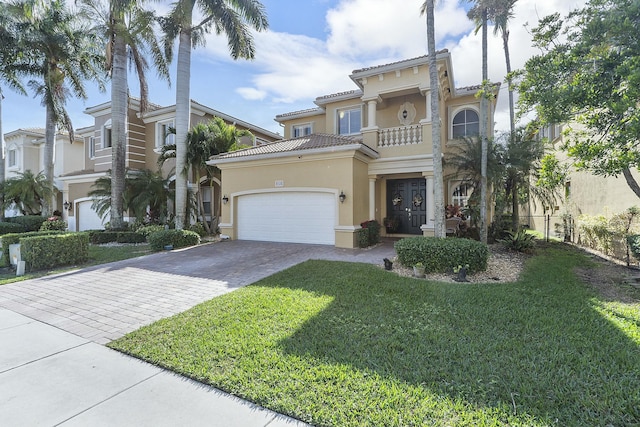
[{"x": 465, "y": 123}]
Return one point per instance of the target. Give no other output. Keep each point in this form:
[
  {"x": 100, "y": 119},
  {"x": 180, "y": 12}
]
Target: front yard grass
[{"x": 340, "y": 344}]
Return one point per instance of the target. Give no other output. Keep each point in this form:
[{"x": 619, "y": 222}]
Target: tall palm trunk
[
  {"x": 507, "y": 58},
  {"x": 183, "y": 113},
  {"x": 2, "y": 160},
  {"x": 49, "y": 142},
  {"x": 484, "y": 118},
  {"x": 438, "y": 187},
  {"x": 119, "y": 100}
]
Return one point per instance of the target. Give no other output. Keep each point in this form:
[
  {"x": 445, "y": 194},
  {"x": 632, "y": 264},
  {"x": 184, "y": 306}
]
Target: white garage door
[
  {"x": 295, "y": 217},
  {"x": 88, "y": 219}
]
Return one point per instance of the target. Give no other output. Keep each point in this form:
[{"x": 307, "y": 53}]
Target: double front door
[{"x": 407, "y": 204}]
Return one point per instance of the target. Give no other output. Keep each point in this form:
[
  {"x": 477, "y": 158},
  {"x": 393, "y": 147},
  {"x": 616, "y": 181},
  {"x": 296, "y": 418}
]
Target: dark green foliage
[
  {"x": 42, "y": 252},
  {"x": 373, "y": 232},
  {"x": 97, "y": 238},
  {"x": 10, "y": 227},
  {"x": 634, "y": 245},
  {"x": 13, "y": 238},
  {"x": 442, "y": 255},
  {"x": 174, "y": 238},
  {"x": 198, "y": 227},
  {"x": 29, "y": 222},
  {"x": 363, "y": 238},
  {"x": 520, "y": 241},
  {"x": 148, "y": 229}
]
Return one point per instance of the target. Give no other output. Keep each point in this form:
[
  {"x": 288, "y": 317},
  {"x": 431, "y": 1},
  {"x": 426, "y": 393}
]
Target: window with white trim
[
  {"x": 461, "y": 194},
  {"x": 106, "y": 135},
  {"x": 12, "y": 155},
  {"x": 465, "y": 123},
  {"x": 164, "y": 136},
  {"x": 349, "y": 121},
  {"x": 301, "y": 130},
  {"x": 92, "y": 146}
]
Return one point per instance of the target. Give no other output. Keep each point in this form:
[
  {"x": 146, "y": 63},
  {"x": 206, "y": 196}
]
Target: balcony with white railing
[{"x": 400, "y": 136}]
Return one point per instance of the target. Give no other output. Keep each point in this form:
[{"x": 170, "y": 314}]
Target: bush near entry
[
  {"x": 13, "y": 238},
  {"x": 40, "y": 252},
  {"x": 175, "y": 238},
  {"x": 442, "y": 255}
]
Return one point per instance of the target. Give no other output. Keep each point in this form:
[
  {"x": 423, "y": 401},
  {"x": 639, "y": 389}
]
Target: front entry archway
[{"x": 407, "y": 204}]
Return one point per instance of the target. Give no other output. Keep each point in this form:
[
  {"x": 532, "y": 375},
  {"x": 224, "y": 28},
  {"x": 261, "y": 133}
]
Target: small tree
[{"x": 28, "y": 192}]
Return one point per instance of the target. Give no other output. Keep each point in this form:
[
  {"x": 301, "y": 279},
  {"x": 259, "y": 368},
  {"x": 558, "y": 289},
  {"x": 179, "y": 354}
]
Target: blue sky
[{"x": 310, "y": 49}]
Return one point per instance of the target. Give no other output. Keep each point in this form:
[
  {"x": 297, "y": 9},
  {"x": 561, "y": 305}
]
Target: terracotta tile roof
[
  {"x": 475, "y": 87},
  {"x": 397, "y": 62},
  {"x": 357, "y": 92},
  {"x": 309, "y": 142},
  {"x": 295, "y": 113}
]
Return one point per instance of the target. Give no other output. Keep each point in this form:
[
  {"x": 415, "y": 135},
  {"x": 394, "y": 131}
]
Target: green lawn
[
  {"x": 339, "y": 344},
  {"x": 98, "y": 254}
]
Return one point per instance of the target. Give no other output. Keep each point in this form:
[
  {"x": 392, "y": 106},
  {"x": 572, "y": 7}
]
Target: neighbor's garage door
[
  {"x": 287, "y": 217},
  {"x": 88, "y": 219}
]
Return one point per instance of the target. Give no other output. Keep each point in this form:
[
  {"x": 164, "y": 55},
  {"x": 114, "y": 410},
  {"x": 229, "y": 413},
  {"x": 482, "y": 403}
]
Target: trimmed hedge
[
  {"x": 11, "y": 227},
  {"x": 10, "y": 239},
  {"x": 98, "y": 237},
  {"x": 175, "y": 238},
  {"x": 40, "y": 252},
  {"x": 442, "y": 255},
  {"x": 29, "y": 222},
  {"x": 369, "y": 234},
  {"x": 146, "y": 230}
]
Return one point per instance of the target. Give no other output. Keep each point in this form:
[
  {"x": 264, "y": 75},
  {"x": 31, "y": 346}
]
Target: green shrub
[
  {"x": 442, "y": 255},
  {"x": 13, "y": 238},
  {"x": 10, "y": 227},
  {"x": 40, "y": 252},
  {"x": 29, "y": 222},
  {"x": 373, "y": 232},
  {"x": 175, "y": 238},
  {"x": 53, "y": 223},
  {"x": 520, "y": 241},
  {"x": 363, "y": 237},
  {"x": 634, "y": 245},
  {"x": 100, "y": 237},
  {"x": 148, "y": 229},
  {"x": 198, "y": 227}
]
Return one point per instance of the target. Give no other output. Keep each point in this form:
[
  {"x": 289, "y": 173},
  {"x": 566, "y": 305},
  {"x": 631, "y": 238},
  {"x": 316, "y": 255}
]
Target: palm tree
[
  {"x": 65, "y": 55},
  {"x": 231, "y": 17},
  {"x": 203, "y": 141},
  {"x": 28, "y": 192},
  {"x": 128, "y": 30},
  {"x": 440, "y": 228},
  {"x": 501, "y": 13}
]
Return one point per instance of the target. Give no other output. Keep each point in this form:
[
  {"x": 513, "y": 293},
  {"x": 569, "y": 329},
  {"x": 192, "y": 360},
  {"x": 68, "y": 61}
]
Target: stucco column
[
  {"x": 428, "y": 100},
  {"x": 430, "y": 203},
  {"x": 373, "y": 105},
  {"x": 372, "y": 198}
]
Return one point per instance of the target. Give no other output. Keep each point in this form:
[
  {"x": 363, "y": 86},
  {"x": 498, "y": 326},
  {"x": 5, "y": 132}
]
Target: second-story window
[
  {"x": 301, "y": 130},
  {"x": 465, "y": 123},
  {"x": 164, "y": 134},
  {"x": 13, "y": 158},
  {"x": 106, "y": 135},
  {"x": 349, "y": 121}
]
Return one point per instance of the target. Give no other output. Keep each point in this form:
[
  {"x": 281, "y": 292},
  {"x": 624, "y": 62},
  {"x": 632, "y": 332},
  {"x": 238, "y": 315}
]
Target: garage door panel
[{"x": 295, "y": 217}]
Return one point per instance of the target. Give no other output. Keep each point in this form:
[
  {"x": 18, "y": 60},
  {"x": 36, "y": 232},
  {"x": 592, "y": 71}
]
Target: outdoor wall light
[
  {"x": 342, "y": 196},
  {"x": 405, "y": 113},
  {"x": 225, "y": 199},
  {"x": 66, "y": 205}
]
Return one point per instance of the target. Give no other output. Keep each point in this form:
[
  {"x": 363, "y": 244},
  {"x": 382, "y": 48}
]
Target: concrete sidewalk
[{"x": 49, "y": 377}]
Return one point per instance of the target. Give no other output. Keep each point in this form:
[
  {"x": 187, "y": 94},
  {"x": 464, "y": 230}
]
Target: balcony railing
[{"x": 399, "y": 136}]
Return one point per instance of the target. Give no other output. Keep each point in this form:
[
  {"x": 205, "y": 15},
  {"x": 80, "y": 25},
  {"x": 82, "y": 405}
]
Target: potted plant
[
  {"x": 391, "y": 224},
  {"x": 418, "y": 270}
]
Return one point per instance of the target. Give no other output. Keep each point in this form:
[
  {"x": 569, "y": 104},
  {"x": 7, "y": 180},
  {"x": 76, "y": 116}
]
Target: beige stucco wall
[
  {"x": 334, "y": 173},
  {"x": 318, "y": 125}
]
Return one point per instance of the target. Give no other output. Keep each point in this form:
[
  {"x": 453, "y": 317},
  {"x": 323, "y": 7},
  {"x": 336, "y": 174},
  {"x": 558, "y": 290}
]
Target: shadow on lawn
[{"x": 538, "y": 347}]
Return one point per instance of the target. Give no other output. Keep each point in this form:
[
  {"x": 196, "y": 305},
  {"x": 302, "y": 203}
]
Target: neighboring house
[
  {"x": 25, "y": 151},
  {"x": 359, "y": 155},
  {"x": 584, "y": 192},
  {"x": 77, "y": 166}
]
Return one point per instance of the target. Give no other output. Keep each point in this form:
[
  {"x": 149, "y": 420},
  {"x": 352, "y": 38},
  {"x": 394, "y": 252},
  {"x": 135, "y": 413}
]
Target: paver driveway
[{"x": 105, "y": 302}]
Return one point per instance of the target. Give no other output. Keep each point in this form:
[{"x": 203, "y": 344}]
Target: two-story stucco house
[
  {"x": 78, "y": 165},
  {"x": 358, "y": 155}
]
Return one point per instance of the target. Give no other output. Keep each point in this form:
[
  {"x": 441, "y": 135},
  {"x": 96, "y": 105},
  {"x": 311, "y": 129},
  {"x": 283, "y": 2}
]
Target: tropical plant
[
  {"x": 28, "y": 192},
  {"x": 231, "y": 17},
  {"x": 438, "y": 187},
  {"x": 128, "y": 30},
  {"x": 519, "y": 241},
  {"x": 65, "y": 54}
]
